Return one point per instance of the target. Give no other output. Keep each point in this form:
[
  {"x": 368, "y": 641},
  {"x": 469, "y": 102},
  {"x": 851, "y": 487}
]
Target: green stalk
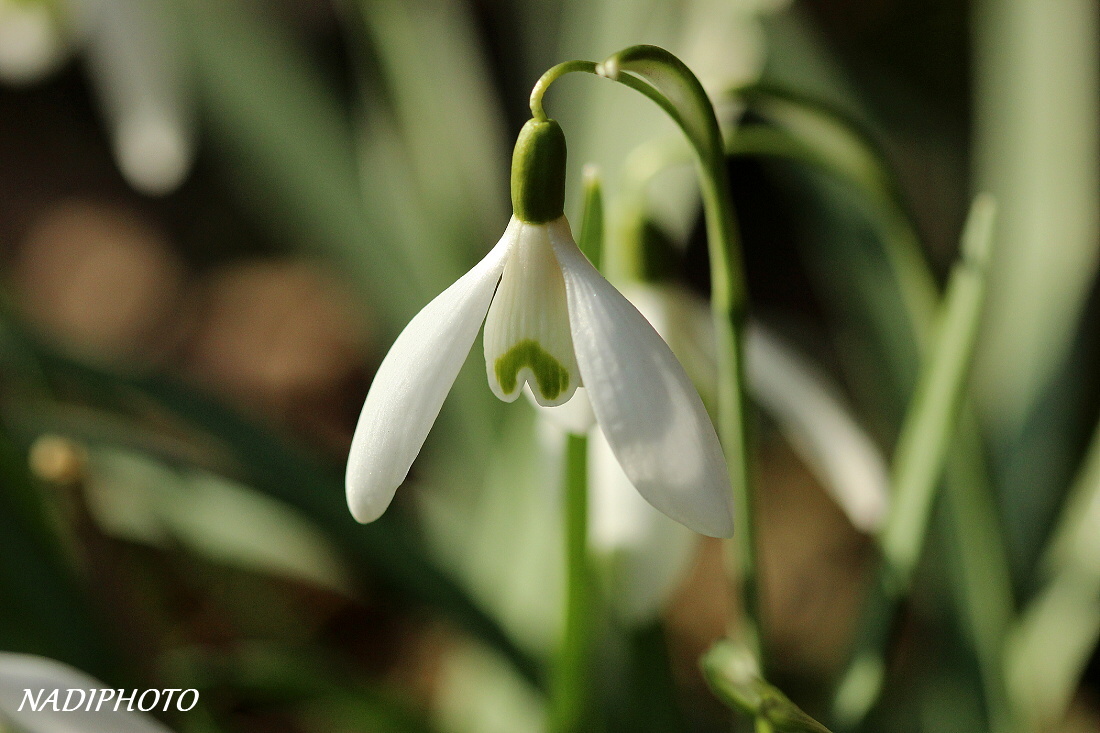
[
  {"x": 662, "y": 77},
  {"x": 1058, "y": 631},
  {"x": 733, "y": 674},
  {"x": 665, "y": 80},
  {"x": 985, "y": 597},
  {"x": 568, "y": 703},
  {"x": 984, "y": 594}
]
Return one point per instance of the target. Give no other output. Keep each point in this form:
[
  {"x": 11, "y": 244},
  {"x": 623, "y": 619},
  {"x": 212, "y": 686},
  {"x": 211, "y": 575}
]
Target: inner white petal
[{"x": 527, "y": 337}]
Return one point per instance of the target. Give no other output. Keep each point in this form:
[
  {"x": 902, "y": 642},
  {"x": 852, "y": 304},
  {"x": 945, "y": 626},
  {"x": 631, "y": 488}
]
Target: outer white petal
[
  {"x": 646, "y": 406},
  {"x": 412, "y": 382},
  {"x": 19, "y": 672},
  {"x": 642, "y": 553}
]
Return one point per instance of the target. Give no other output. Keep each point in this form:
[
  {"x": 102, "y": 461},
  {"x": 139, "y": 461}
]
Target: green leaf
[
  {"x": 1059, "y": 629},
  {"x": 288, "y": 144}
]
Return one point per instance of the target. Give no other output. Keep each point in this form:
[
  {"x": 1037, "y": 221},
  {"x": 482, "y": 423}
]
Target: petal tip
[
  {"x": 720, "y": 526},
  {"x": 366, "y": 500}
]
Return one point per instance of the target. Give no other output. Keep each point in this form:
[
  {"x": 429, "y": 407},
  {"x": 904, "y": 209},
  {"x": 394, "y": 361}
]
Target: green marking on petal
[{"x": 551, "y": 376}]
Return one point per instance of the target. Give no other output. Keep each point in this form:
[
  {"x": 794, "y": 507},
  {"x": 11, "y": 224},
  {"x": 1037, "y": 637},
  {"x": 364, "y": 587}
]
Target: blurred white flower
[
  {"x": 141, "y": 81},
  {"x": 137, "y": 69},
  {"x": 819, "y": 427},
  {"x": 640, "y": 554},
  {"x": 41, "y": 676},
  {"x": 552, "y": 322},
  {"x": 32, "y": 41}
]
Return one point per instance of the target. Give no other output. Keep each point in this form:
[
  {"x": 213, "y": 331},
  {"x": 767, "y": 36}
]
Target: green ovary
[{"x": 551, "y": 376}]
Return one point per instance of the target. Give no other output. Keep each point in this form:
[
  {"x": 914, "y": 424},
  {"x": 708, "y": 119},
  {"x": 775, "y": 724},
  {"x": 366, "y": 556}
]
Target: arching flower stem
[{"x": 667, "y": 82}]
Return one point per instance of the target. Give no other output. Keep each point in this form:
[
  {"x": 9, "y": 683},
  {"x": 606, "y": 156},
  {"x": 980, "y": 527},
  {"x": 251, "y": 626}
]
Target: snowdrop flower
[{"x": 553, "y": 323}]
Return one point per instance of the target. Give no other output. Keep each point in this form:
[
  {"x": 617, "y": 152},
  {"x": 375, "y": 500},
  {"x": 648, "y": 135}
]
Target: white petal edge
[
  {"x": 20, "y": 672},
  {"x": 645, "y": 404},
  {"x": 819, "y": 427},
  {"x": 641, "y": 554},
  {"x": 413, "y": 381}
]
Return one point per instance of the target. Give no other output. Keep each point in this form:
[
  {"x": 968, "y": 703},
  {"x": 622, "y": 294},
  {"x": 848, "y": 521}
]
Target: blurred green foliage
[{"x": 376, "y": 141}]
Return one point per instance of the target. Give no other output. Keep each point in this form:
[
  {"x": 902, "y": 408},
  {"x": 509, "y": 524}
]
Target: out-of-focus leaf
[
  {"x": 447, "y": 115},
  {"x": 1037, "y": 148},
  {"x": 1058, "y": 631},
  {"x": 479, "y": 695},
  {"x": 43, "y": 609},
  {"x": 313, "y": 689},
  {"x": 919, "y": 461},
  {"x": 388, "y": 548},
  {"x": 138, "y": 499},
  {"x": 290, "y": 144}
]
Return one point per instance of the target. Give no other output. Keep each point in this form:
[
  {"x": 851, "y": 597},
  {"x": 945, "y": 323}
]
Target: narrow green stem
[
  {"x": 763, "y": 725},
  {"x": 728, "y": 313},
  {"x": 662, "y": 77},
  {"x": 693, "y": 113},
  {"x": 553, "y": 74},
  {"x": 985, "y": 600},
  {"x": 984, "y": 594},
  {"x": 568, "y": 704}
]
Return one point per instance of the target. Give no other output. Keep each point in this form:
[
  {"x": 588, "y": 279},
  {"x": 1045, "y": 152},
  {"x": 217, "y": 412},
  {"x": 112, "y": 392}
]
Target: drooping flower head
[{"x": 554, "y": 323}]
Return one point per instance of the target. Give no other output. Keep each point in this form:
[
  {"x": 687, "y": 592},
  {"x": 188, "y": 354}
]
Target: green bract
[{"x": 538, "y": 172}]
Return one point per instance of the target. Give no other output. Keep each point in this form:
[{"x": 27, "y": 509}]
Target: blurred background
[{"x": 216, "y": 215}]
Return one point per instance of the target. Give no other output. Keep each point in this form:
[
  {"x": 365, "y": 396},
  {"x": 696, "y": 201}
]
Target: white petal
[
  {"x": 41, "y": 676},
  {"x": 819, "y": 427},
  {"x": 642, "y": 554},
  {"x": 647, "y": 408},
  {"x": 141, "y": 77},
  {"x": 31, "y": 43},
  {"x": 816, "y": 422},
  {"x": 412, "y": 382},
  {"x": 527, "y": 330}
]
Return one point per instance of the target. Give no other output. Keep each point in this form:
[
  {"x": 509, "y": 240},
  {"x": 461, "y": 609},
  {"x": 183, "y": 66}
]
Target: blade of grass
[
  {"x": 984, "y": 594},
  {"x": 1059, "y": 629},
  {"x": 919, "y": 460}
]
